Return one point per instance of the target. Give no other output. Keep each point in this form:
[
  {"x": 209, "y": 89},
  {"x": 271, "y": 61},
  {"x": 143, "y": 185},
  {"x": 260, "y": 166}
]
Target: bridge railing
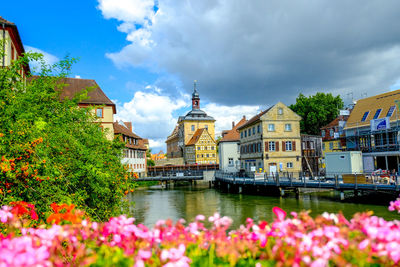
[{"x": 372, "y": 179}]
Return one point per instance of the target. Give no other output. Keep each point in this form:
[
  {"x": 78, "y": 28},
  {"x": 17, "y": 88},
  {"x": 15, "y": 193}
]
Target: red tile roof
[
  {"x": 73, "y": 86},
  {"x": 121, "y": 129},
  {"x": 195, "y": 137},
  {"x": 233, "y": 134},
  {"x": 254, "y": 119}
]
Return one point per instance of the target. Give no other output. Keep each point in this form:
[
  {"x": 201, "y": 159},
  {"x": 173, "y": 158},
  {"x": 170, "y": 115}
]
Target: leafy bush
[{"x": 53, "y": 151}]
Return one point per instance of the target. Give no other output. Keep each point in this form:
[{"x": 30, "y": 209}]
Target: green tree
[
  {"x": 53, "y": 151},
  {"x": 316, "y": 111}
]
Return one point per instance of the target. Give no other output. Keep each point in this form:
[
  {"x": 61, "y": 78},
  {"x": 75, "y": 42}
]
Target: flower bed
[{"x": 295, "y": 240}]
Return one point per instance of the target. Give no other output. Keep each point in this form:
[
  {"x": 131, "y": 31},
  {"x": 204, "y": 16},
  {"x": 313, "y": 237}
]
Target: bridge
[
  {"x": 177, "y": 173},
  {"x": 294, "y": 181}
]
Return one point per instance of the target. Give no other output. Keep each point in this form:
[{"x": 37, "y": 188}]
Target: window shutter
[
  {"x": 266, "y": 147},
  {"x": 294, "y": 145},
  {"x": 283, "y": 146},
  {"x": 276, "y": 146}
]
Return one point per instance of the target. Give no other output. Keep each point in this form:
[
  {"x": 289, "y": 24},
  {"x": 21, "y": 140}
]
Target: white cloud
[
  {"x": 151, "y": 114},
  {"x": 225, "y": 115},
  {"x": 48, "y": 58},
  {"x": 129, "y": 11}
]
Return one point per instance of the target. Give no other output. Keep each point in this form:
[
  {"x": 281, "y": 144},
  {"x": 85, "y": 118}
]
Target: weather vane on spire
[{"x": 194, "y": 85}]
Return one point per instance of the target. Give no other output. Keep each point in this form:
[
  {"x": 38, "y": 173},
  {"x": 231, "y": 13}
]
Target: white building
[
  {"x": 135, "y": 152},
  {"x": 229, "y": 148}
]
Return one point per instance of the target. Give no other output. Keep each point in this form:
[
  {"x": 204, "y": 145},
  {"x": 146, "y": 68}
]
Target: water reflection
[{"x": 155, "y": 203}]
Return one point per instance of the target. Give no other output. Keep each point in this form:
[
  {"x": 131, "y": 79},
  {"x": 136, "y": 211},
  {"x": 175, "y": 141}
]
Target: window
[
  {"x": 208, "y": 155},
  {"x": 254, "y": 130},
  {"x": 249, "y": 132},
  {"x": 202, "y": 155},
  {"x": 271, "y": 146},
  {"x": 311, "y": 145},
  {"x": 212, "y": 148},
  {"x": 288, "y": 127},
  {"x": 230, "y": 162},
  {"x": 206, "y": 127},
  {"x": 259, "y": 147},
  {"x": 193, "y": 128},
  {"x": 271, "y": 127},
  {"x": 245, "y": 133},
  {"x": 198, "y": 155},
  {"x": 241, "y": 134},
  {"x": 245, "y": 165},
  {"x": 288, "y": 145},
  {"x": 323, "y": 133},
  {"x": 390, "y": 111},
  {"x": 198, "y": 148},
  {"x": 331, "y": 133},
  {"x": 323, "y": 146},
  {"x": 331, "y": 145},
  {"x": 365, "y": 116},
  {"x": 99, "y": 113},
  {"x": 377, "y": 113},
  {"x": 280, "y": 111},
  {"x": 289, "y": 165}
]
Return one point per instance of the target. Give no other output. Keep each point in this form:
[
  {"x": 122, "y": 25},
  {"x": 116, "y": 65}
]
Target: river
[{"x": 154, "y": 203}]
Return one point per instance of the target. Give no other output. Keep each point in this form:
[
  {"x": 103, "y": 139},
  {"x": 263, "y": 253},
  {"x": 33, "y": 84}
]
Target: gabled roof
[
  {"x": 372, "y": 104},
  {"x": 73, "y": 86},
  {"x": 233, "y": 134},
  {"x": 335, "y": 122},
  {"x": 255, "y": 118},
  {"x": 14, "y": 34},
  {"x": 195, "y": 137},
  {"x": 6, "y": 22},
  {"x": 174, "y": 133},
  {"x": 120, "y": 128}
]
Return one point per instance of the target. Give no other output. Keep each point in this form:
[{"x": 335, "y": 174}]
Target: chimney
[
  {"x": 128, "y": 125},
  {"x": 233, "y": 124},
  {"x": 244, "y": 116}
]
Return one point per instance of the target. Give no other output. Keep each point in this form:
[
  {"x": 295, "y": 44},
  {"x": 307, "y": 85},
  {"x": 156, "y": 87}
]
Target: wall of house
[
  {"x": 226, "y": 151},
  {"x": 188, "y": 133},
  {"x": 8, "y": 43},
  {"x": 136, "y": 161},
  {"x": 205, "y": 149}
]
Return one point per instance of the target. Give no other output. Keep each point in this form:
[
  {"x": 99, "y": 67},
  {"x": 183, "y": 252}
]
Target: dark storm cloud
[{"x": 257, "y": 52}]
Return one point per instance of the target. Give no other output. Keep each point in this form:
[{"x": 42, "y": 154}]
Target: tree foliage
[
  {"x": 317, "y": 111},
  {"x": 53, "y": 151}
]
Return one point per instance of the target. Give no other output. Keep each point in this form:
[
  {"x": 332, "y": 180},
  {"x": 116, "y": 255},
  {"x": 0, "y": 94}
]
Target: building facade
[
  {"x": 229, "y": 148},
  {"x": 333, "y": 135},
  {"x": 373, "y": 128},
  {"x": 103, "y": 108},
  {"x": 201, "y": 148},
  {"x": 11, "y": 46},
  {"x": 270, "y": 141},
  {"x": 311, "y": 152},
  {"x": 186, "y": 127},
  {"x": 134, "y": 157}
]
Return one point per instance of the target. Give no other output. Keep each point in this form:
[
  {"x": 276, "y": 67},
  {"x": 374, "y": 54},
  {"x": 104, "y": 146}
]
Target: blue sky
[{"x": 245, "y": 55}]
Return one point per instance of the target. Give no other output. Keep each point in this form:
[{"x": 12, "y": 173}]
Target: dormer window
[
  {"x": 365, "y": 116},
  {"x": 377, "y": 113},
  {"x": 390, "y": 111}
]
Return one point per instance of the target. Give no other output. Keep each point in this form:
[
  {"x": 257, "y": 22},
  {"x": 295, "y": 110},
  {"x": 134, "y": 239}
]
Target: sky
[{"x": 245, "y": 55}]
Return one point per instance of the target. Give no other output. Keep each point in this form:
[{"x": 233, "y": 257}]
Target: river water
[{"x": 154, "y": 203}]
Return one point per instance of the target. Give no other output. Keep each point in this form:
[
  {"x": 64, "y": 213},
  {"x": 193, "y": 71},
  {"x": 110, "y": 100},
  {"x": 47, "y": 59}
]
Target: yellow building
[
  {"x": 201, "y": 148},
  {"x": 333, "y": 139},
  {"x": 187, "y": 126},
  {"x": 270, "y": 141},
  {"x": 11, "y": 46}
]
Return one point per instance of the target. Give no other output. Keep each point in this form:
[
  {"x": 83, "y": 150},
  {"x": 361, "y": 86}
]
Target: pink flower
[
  {"x": 280, "y": 213},
  {"x": 5, "y": 214}
]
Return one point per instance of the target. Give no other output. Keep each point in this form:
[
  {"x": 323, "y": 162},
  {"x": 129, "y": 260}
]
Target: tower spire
[{"x": 195, "y": 97}]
